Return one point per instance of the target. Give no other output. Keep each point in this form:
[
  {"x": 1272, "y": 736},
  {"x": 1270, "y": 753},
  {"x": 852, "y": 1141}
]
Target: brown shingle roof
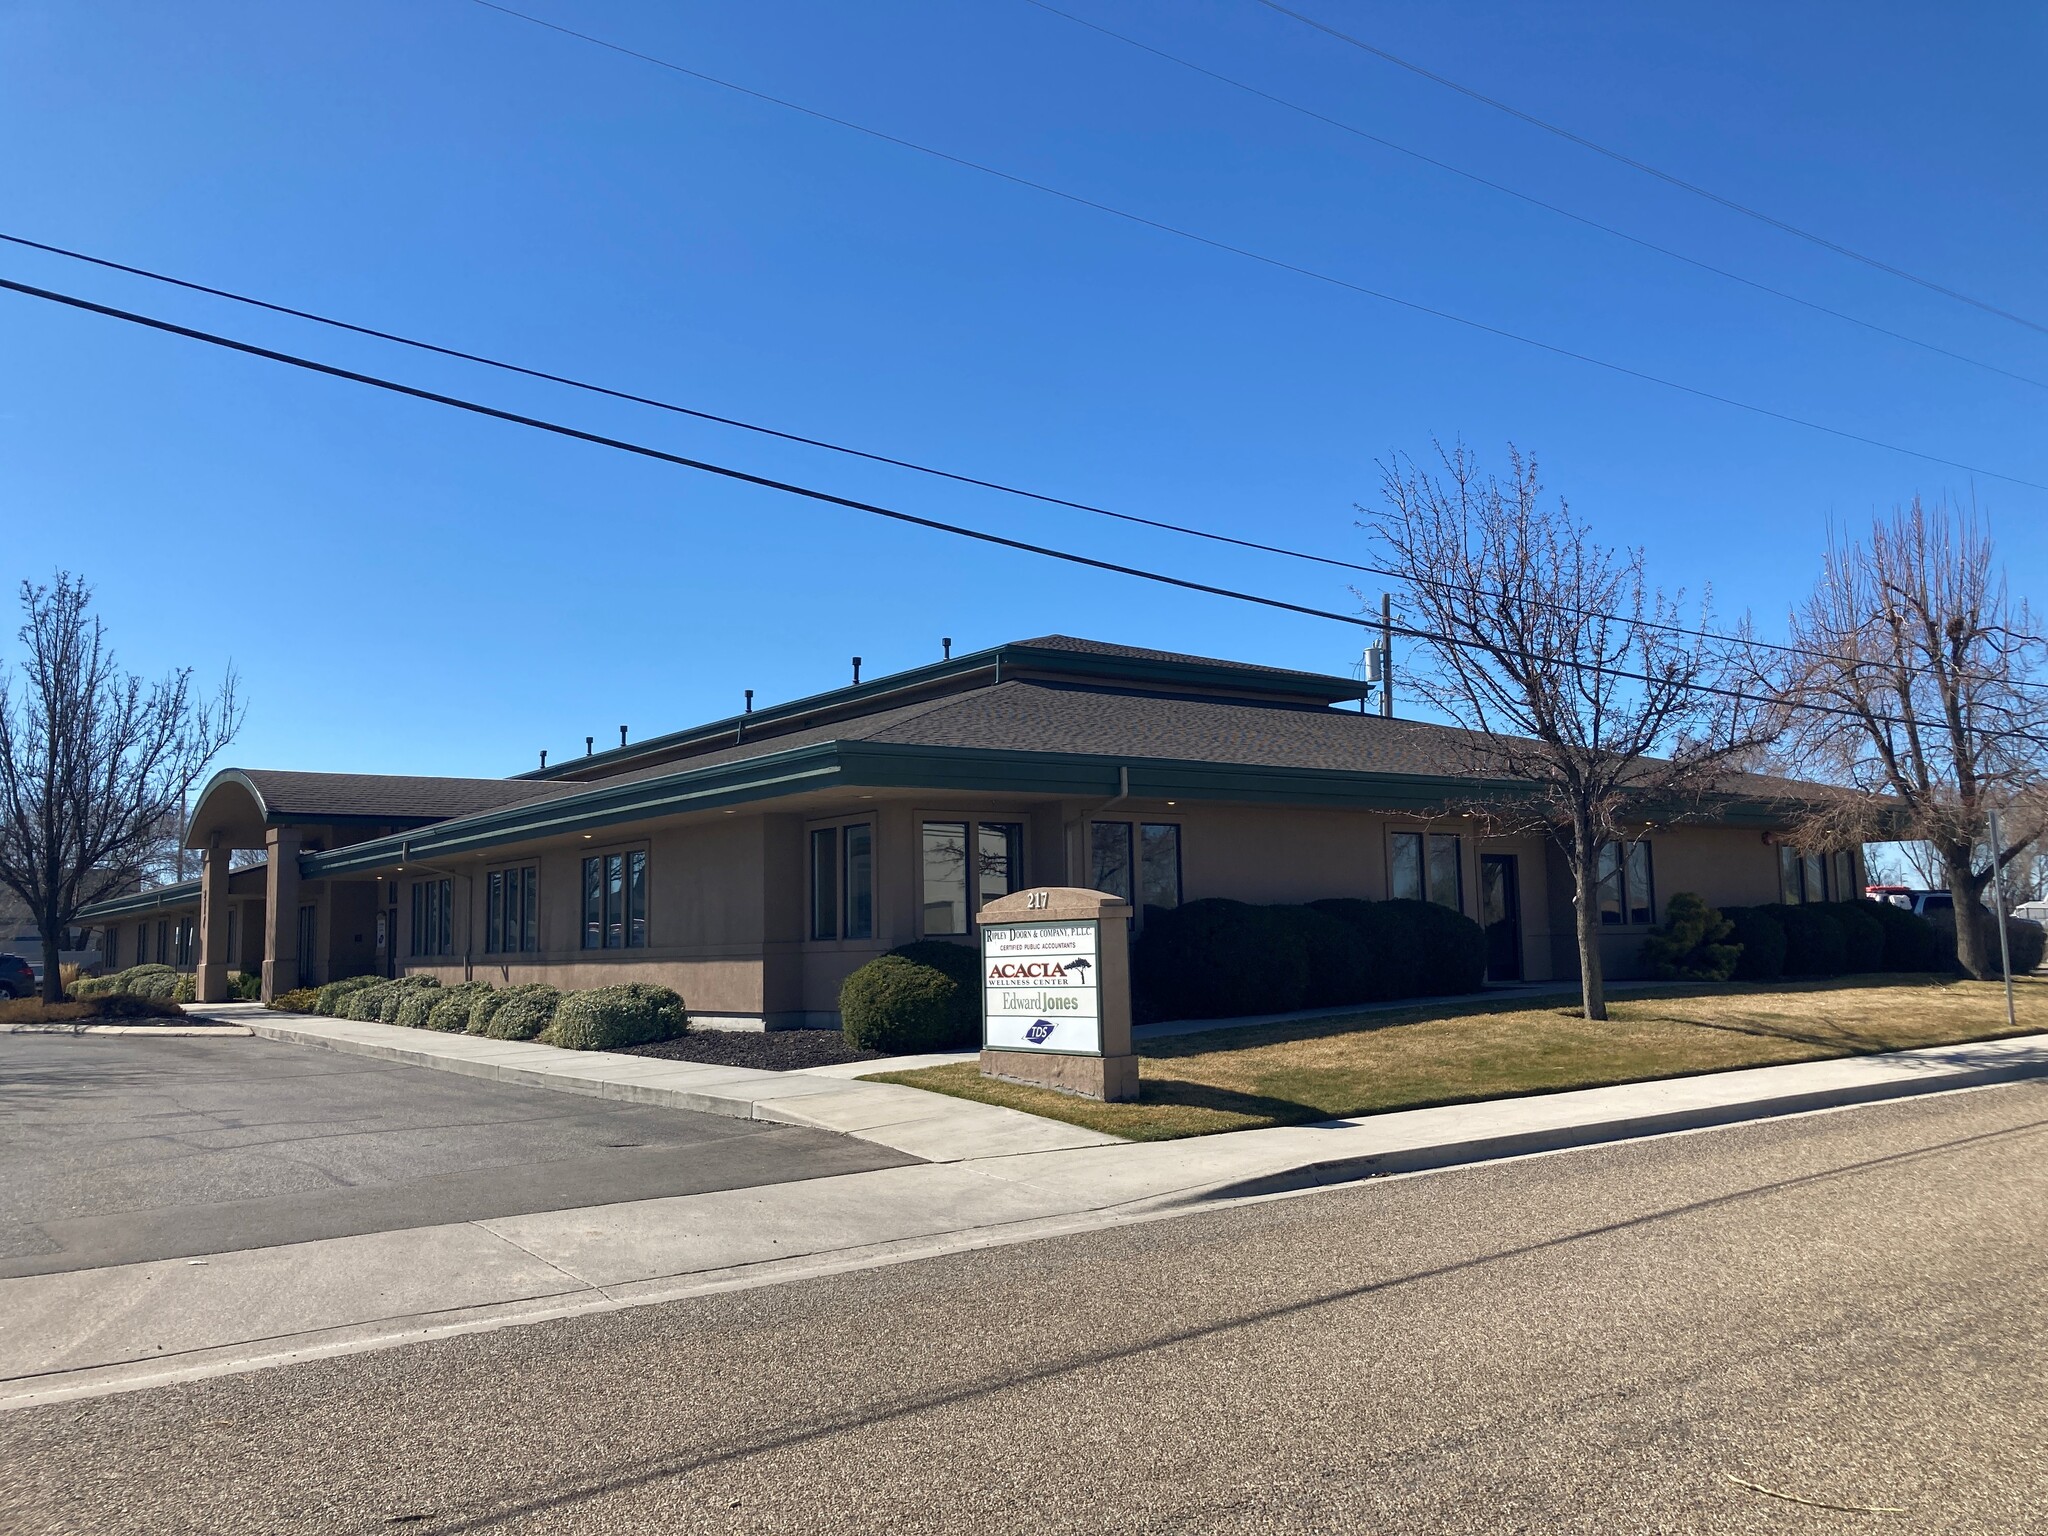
[{"x": 294, "y": 796}]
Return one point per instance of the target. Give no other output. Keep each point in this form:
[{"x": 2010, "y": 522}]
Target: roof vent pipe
[
  {"x": 856, "y": 671},
  {"x": 589, "y": 745},
  {"x": 947, "y": 642},
  {"x": 750, "y": 701},
  {"x": 543, "y": 757},
  {"x": 622, "y": 735}
]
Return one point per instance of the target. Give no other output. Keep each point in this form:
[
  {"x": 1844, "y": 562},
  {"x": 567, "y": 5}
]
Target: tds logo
[{"x": 1040, "y": 1032}]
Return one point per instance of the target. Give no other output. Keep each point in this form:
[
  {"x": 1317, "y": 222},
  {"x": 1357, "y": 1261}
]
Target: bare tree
[
  {"x": 1567, "y": 668},
  {"x": 94, "y": 763},
  {"x": 1920, "y": 681}
]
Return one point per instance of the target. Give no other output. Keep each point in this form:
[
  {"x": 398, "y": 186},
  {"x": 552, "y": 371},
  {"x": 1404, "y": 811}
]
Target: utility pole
[{"x": 1998, "y": 906}]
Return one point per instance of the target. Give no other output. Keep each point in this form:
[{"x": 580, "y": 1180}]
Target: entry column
[
  {"x": 281, "y": 912},
  {"x": 212, "y": 982}
]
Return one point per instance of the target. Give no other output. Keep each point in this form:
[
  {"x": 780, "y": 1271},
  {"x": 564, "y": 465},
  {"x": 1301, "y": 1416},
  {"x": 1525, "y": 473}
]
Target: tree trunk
[
  {"x": 1976, "y": 929},
  {"x": 53, "y": 979},
  {"x": 1586, "y": 912}
]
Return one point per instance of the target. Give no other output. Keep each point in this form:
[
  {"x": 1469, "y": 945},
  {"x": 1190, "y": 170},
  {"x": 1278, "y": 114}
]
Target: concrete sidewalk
[
  {"x": 926, "y": 1125},
  {"x": 132, "y": 1326}
]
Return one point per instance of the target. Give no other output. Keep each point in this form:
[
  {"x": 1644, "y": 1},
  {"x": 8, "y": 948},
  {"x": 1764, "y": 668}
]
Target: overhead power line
[
  {"x": 1042, "y": 497},
  {"x": 1650, "y": 170},
  {"x": 1535, "y": 202},
  {"x": 1374, "y": 624},
  {"x": 1276, "y": 262}
]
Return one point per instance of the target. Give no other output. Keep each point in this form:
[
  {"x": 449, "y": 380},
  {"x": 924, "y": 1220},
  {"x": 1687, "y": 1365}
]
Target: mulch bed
[{"x": 775, "y": 1050}]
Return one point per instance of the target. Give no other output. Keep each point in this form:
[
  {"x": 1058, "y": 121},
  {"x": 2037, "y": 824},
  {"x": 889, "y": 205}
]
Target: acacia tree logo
[{"x": 1080, "y": 966}]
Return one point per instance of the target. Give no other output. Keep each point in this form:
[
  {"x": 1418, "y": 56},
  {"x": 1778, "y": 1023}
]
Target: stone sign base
[{"x": 1113, "y": 1078}]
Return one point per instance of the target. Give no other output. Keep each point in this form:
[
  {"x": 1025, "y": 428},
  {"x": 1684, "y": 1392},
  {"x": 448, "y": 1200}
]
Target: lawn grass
[{"x": 1369, "y": 1063}]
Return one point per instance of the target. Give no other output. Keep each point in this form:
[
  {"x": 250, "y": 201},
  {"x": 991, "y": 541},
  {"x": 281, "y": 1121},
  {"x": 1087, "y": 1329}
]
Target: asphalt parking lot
[{"x": 116, "y": 1150}]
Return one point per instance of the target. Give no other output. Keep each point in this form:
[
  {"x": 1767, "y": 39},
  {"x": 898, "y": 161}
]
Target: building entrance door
[{"x": 1500, "y": 914}]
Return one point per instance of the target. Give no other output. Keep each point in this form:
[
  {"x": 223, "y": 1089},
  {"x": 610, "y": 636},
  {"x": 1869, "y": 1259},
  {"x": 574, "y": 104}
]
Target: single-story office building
[{"x": 753, "y": 862}]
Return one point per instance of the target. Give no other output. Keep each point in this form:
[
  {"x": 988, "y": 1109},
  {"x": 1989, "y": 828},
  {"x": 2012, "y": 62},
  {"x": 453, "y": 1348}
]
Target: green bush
[
  {"x": 2024, "y": 938},
  {"x": 1453, "y": 948},
  {"x": 414, "y": 1005},
  {"x": 1693, "y": 943},
  {"x": 895, "y": 1005},
  {"x": 158, "y": 982},
  {"x": 517, "y": 1013},
  {"x": 1390, "y": 947},
  {"x": 1220, "y": 959},
  {"x": 1757, "y": 932},
  {"x": 611, "y": 1017},
  {"x": 379, "y": 1002},
  {"x": 1862, "y": 936},
  {"x": 1909, "y": 942},
  {"x": 449, "y": 1009},
  {"x": 962, "y": 966},
  {"x": 332, "y": 994},
  {"x": 298, "y": 1000},
  {"x": 2029, "y": 943},
  {"x": 186, "y": 988},
  {"x": 1814, "y": 945},
  {"x": 245, "y": 986},
  {"x": 1339, "y": 965}
]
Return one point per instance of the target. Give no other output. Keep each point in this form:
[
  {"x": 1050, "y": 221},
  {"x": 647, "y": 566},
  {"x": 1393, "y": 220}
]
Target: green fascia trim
[
  {"x": 1306, "y": 686},
  {"x": 143, "y": 901}
]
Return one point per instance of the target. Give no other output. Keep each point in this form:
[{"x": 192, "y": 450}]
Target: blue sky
[{"x": 407, "y": 590}]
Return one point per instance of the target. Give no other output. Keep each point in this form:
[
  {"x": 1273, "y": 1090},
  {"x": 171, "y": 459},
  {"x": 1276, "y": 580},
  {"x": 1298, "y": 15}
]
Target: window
[
  {"x": 163, "y": 943},
  {"x": 1801, "y": 876},
  {"x": 1627, "y": 895},
  {"x": 309, "y": 944},
  {"x": 1844, "y": 875},
  {"x": 433, "y": 912},
  {"x": 142, "y": 943},
  {"x": 1427, "y": 868},
  {"x": 1109, "y": 857},
  {"x": 952, "y": 890},
  {"x": 859, "y": 882},
  {"x": 843, "y": 882},
  {"x": 511, "y": 911},
  {"x": 615, "y": 901},
  {"x": 232, "y": 935},
  {"x": 110, "y": 962},
  {"x": 182, "y": 941},
  {"x": 1159, "y": 864}
]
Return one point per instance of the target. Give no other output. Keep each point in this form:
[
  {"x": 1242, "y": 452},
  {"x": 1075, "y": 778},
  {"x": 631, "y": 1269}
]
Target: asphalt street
[
  {"x": 1833, "y": 1323},
  {"x": 116, "y": 1149}
]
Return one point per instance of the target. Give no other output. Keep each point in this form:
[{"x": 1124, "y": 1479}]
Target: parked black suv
[{"x": 17, "y": 977}]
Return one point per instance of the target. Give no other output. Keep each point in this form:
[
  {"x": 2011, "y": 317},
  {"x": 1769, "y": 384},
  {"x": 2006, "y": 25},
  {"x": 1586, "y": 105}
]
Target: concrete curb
[{"x": 171, "y": 1031}]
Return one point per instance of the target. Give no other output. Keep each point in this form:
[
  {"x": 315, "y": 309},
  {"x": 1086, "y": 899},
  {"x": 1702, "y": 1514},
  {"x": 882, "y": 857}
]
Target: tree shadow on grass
[{"x": 1183, "y": 1093}]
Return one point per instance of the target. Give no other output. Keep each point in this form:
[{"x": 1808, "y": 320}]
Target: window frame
[
  {"x": 974, "y": 823},
  {"x": 836, "y": 836},
  {"x": 1795, "y": 865},
  {"x": 1425, "y": 838},
  {"x": 1622, "y": 879},
  {"x": 499, "y": 883},
  {"x": 633, "y": 928},
  {"x": 431, "y": 933}
]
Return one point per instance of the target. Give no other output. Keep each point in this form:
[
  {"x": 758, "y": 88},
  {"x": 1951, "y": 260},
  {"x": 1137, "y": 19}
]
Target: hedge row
[
  {"x": 163, "y": 984},
  {"x": 1219, "y": 959},
  {"x": 1210, "y": 959},
  {"x": 1844, "y": 938},
  {"x": 604, "y": 1019}
]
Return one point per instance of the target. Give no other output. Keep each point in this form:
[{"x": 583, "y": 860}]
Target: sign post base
[{"x": 1114, "y": 1078}]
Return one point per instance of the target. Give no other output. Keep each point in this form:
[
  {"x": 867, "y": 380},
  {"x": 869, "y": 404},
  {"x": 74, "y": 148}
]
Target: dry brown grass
[
  {"x": 1361, "y": 1064},
  {"x": 115, "y": 1009}
]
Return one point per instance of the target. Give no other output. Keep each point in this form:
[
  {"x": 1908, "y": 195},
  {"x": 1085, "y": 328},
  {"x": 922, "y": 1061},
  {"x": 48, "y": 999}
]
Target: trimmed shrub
[
  {"x": 1339, "y": 965},
  {"x": 895, "y": 1005},
  {"x": 1389, "y": 951},
  {"x": 1453, "y": 948},
  {"x": 517, "y": 1013},
  {"x": 1693, "y": 943},
  {"x": 379, "y": 1002},
  {"x": 332, "y": 994},
  {"x": 245, "y": 986},
  {"x": 298, "y": 1000},
  {"x": 1862, "y": 936},
  {"x": 186, "y": 988},
  {"x": 1909, "y": 943},
  {"x": 449, "y": 1009},
  {"x": 152, "y": 981},
  {"x": 2023, "y": 936},
  {"x": 610, "y": 1017},
  {"x": 1760, "y": 937},
  {"x": 1814, "y": 945},
  {"x": 962, "y": 966},
  {"x": 1220, "y": 959},
  {"x": 413, "y": 1006}
]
